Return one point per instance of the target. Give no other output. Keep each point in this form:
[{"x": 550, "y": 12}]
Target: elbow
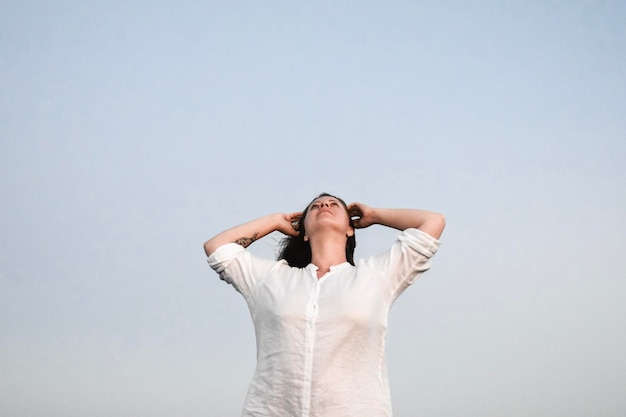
[
  {"x": 434, "y": 225},
  {"x": 440, "y": 224},
  {"x": 209, "y": 248}
]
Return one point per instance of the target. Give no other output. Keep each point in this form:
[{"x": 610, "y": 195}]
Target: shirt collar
[{"x": 314, "y": 267}]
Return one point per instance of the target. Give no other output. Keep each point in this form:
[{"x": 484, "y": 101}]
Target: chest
[{"x": 350, "y": 296}]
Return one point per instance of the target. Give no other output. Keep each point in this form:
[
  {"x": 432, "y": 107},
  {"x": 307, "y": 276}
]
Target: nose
[{"x": 326, "y": 203}]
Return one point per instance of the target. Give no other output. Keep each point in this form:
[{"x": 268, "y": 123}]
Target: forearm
[
  {"x": 244, "y": 234},
  {"x": 401, "y": 219}
]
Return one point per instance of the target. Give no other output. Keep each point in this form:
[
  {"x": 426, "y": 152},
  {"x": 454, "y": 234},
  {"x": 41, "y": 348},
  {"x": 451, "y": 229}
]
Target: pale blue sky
[{"x": 131, "y": 133}]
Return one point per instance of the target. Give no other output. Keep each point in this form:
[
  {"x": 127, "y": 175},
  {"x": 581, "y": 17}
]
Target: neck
[{"x": 327, "y": 252}]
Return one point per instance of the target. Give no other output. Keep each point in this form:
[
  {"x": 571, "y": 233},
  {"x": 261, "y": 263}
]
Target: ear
[
  {"x": 350, "y": 232},
  {"x": 306, "y": 238}
]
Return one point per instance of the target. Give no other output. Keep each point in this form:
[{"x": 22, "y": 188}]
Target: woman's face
[{"x": 327, "y": 212}]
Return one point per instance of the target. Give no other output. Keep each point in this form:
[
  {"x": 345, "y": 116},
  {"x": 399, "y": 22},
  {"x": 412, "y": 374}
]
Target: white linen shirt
[{"x": 321, "y": 342}]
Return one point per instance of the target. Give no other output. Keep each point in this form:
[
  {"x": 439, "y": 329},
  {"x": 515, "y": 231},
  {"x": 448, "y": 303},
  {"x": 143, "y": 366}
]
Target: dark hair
[{"x": 297, "y": 252}]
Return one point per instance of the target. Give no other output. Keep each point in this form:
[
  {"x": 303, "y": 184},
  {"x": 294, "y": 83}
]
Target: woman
[{"x": 320, "y": 318}]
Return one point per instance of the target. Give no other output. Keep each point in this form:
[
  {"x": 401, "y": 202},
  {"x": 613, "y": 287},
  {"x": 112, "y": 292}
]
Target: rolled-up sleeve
[
  {"x": 420, "y": 241},
  {"x": 405, "y": 261},
  {"x": 238, "y": 267}
]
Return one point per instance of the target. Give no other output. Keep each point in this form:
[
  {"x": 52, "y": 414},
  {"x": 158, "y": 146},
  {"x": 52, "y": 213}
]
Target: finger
[
  {"x": 295, "y": 219},
  {"x": 357, "y": 224}
]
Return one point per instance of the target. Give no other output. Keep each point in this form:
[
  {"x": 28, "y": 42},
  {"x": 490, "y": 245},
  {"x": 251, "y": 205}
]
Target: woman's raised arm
[
  {"x": 401, "y": 219},
  {"x": 246, "y": 233}
]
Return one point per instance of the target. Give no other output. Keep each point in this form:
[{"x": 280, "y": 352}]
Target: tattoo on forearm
[{"x": 246, "y": 241}]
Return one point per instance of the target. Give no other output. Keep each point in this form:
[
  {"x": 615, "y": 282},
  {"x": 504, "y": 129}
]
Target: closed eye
[{"x": 318, "y": 204}]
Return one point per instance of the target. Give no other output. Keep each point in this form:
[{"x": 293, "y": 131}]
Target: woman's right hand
[
  {"x": 245, "y": 234},
  {"x": 289, "y": 223}
]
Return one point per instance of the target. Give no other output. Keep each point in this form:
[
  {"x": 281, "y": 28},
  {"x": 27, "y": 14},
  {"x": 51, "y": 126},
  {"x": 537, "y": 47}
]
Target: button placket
[{"x": 311, "y": 316}]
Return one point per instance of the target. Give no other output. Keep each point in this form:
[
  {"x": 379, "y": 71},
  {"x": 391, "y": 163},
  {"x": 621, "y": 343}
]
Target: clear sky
[{"x": 133, "y": 131}]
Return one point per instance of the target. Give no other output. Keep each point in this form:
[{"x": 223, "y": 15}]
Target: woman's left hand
[
  {"x": 401, "y": 219},
  {"x": 362, "y": 215}
]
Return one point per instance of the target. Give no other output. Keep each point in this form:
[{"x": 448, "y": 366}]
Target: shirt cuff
[{"x": 420, "y": 241}]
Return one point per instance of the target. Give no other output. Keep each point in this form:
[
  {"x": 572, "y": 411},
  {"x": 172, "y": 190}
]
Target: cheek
[
  {"x": 304, "y": 221},
  {"x": 306, "y": 225},
  {"x": 347, "y": 219}
]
